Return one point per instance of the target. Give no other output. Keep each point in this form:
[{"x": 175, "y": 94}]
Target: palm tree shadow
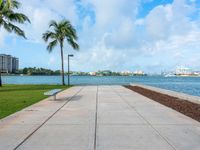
[{"x": 75, "y": 98}]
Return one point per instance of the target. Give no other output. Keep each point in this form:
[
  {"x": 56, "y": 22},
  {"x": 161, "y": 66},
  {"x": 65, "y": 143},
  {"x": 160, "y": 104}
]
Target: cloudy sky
[{"x": 120, "y": 35}]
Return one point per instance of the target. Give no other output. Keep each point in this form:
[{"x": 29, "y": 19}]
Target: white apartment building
[{"x": 8, "y": 64}]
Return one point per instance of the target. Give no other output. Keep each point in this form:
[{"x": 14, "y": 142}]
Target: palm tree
[
  {"x": 8, "y": 18},
  {"x": 62, "y": 31}
]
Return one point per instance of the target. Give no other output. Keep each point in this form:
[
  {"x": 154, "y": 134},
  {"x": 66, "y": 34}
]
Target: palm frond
[
  {"x": 6, "y": 26},
  {"x": 17, "y": 30},
  {"x": 9, "y": 17},
  {"x": 72, "y": 33},
  {"x": 51, "y": 45},
  {"x": 18, "y": 17},
  {"x": 15, "y": 4},
  {"x": 71, "y": 30},
  {"x": 1, "y": 2},
  {"x": 65, "y": 23},
  {"x": 46, "y": 36},
  {"x": 12, "y": 28},
  {"x": 53, "y": 23},
  {"x": 11, "y": 4},
  {"x": 73, "y": 44}
]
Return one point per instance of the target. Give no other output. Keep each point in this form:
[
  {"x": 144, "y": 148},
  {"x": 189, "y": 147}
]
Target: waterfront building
[
  {"x": 138, "y": 72},
  {"x": 135, "y": 73},
  {"x": 126, "y": 73},
  {"x": 196, "y": 73},
  {"x": 15, "y": 64},
  {"x": 183, "y": 71},
  {"x": 8, "y": 63},
  {"x": 92, "y": 73}
]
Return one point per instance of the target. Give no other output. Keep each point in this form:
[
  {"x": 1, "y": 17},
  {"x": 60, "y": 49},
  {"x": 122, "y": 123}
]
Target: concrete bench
[{"x": 53, "y": 93}]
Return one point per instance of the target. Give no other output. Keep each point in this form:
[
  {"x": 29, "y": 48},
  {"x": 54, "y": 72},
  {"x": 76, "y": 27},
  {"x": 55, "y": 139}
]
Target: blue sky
[{"x": 120, "y": 35}]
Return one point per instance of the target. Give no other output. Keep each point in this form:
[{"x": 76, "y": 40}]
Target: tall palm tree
[
  {"x": 62, "y": 31},
  {"x": 8, "y": 18}
]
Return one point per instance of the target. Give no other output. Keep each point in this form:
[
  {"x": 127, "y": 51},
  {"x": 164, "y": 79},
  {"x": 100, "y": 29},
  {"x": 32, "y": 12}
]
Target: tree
[
  {"x": 8, "y": 18},
  {"x": 62, "y": 31}
]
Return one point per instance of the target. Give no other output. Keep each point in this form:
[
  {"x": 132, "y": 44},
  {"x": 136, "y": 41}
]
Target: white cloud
[
  {"x": 172, "y": 19},
  {"x": 99, "y": 57},
  {"x": 65, "y": 8},
  {"x": 112, "y": 37},
  {"x": 42, "y": 12},
  {"x": 165, "y": 30},
  {"x": 3, "y": 35}
]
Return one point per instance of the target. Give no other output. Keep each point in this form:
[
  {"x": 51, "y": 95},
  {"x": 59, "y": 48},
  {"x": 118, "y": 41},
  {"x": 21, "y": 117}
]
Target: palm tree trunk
[
  {"x": 62, "y": 61},
  {"x": 0, "y": 79}
]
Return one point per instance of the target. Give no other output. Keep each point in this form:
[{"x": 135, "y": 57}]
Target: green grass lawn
[{"x": 16, "y": 97}]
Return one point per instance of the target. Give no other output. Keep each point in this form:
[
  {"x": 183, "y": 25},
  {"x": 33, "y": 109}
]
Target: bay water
[{"x": 188, "y": 85}]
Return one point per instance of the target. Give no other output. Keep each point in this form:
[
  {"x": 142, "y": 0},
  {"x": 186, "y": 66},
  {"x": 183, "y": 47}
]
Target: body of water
[{"x": 188, "y": 85}]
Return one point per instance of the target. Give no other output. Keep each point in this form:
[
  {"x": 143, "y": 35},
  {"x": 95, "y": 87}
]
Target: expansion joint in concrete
[
  {"x": 68, "y": 99},
  {"x": 155, "y": 130},
  {"x": 96, "y": 120}
]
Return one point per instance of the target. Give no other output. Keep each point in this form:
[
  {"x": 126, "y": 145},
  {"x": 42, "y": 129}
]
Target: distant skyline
[{"x": 117, "y": 35}]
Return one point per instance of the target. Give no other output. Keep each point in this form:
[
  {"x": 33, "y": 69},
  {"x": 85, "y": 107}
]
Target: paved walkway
[{"x": 99, "y": 118}]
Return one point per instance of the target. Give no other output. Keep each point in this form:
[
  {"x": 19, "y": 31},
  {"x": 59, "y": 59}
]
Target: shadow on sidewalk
[{"x": 75, "y": 98}]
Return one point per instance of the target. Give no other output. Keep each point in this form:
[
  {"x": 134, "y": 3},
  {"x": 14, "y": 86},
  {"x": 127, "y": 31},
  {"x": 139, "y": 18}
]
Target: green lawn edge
[{"x": 14, "y": 98}]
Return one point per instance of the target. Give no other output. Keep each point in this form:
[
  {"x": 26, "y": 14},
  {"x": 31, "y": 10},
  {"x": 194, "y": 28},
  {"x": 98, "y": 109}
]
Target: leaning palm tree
[
  {"x": 8, "y": 18},
  {"x": 62, "y": 31}
]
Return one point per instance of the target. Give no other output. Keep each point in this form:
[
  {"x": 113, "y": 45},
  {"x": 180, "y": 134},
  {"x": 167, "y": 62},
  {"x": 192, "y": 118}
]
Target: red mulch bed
[{"x": 185, "y": 107}]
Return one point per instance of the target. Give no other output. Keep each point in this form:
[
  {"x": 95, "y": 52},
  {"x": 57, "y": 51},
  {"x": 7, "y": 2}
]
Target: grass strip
[{"x": 16, "y": 97}]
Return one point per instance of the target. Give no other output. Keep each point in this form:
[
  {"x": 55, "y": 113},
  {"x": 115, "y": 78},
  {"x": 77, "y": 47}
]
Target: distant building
[
  {"x": 8, "y": 64},
  {"x": 138, "y": 72},
  {"x": 92, "y": 73},
  {"x": 183, "y": 71},
  {"x": 126, "y": 73},
  {"x": 196, "y": 73},
  {"x": 15, "y": 64},
  {"x": 135, "y": 73}
]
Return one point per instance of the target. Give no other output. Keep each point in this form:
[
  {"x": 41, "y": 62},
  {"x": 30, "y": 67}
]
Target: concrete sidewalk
[{"x": 99, "y": 118}]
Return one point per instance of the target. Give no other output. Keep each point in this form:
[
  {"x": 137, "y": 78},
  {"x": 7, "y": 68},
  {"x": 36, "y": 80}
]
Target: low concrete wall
[{"x": 194, "y": 99}]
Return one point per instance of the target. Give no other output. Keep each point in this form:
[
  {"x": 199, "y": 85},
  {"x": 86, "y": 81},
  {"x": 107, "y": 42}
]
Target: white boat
[{"x": 170, "y": 75}]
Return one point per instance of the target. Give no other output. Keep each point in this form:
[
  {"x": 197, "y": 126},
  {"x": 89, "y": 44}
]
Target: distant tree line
[
  {"x": 107, "y": 73},
  {"x": 43, "y": 71},
  {"x": 38, "y": 71}
]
